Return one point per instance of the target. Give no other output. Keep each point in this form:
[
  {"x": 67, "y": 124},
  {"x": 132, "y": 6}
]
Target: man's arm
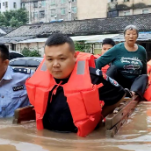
[
  {"x": 111, "y": 92},
  {"x": 106, "y": 58}
]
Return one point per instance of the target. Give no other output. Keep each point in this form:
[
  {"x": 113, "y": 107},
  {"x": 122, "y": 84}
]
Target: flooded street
[{"x": 135, "y": 135}]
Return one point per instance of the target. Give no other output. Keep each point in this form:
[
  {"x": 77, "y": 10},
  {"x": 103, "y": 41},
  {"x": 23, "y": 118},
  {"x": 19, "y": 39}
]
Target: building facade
[
  {"x": 50, "y": 10},
  {"x": 88, "y": 9},
  {"x": 128, "y": 7},
  {"x": 64, "y": 10},
  {"x": 45, "y": 11},
  {"x": 7, "y": 5}
]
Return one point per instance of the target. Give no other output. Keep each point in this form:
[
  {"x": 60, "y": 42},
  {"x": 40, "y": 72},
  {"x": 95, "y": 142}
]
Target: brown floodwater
[{"x": 135, "y": 135}]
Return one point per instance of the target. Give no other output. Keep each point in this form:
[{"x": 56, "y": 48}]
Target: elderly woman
[{"x": 128, "y": 61}]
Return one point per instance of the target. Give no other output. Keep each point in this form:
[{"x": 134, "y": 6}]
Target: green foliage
[
  {"x": 30, "y": 53},
  {"x": 79, "y": 46},
  {"x": 14, "y": 18},
  {"x": 26, "y": 52},
  {"x": 35, "y": 53},
  {"x": 82, "y": 46}
]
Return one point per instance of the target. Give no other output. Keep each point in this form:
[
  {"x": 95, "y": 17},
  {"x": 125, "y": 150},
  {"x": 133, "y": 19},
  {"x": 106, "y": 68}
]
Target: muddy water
[{"x": 135, "y": 135}]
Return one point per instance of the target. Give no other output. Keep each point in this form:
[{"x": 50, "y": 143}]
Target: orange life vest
[
  {"x": 82, "y": 96},
  {"x": 105, "y": 68},
  {"x": 88, "y": 57},
  {"x": 97, "y": 56},
  {"x": 147, "y": 94}
]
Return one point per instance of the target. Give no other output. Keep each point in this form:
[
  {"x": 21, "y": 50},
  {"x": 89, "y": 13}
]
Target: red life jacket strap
[
  {"x": 39, "y": 122},
  {"x": 55, "y": 90},
  {"x": 99, "y": 85}
]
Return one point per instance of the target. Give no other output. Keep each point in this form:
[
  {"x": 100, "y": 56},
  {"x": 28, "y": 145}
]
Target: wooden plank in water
[
  {"x": 24, "y": 114},
  {"x": 126, "y": 111},
  {"x": 122, "y": 110}
]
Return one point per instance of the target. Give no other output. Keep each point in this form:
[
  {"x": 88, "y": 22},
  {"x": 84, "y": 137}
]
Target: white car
[{"x": 26, "y": 62}]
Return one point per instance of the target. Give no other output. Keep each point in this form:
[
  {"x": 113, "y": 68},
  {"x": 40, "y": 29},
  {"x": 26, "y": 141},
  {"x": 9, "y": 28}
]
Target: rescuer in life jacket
[
  {"x": 147, "y": 94},
  {"x": 107, "y": 44},
  {"x": 66, "y": 91}
]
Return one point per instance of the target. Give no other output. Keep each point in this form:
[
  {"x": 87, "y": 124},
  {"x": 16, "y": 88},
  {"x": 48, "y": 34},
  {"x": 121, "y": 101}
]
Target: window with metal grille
[
  {"x": 74, "y": 9},
  {"x": 62, "y": 1},
  {"x": 15, "y": 5},
  {"x": 53, "y": 2},
  {"x": 145, "y": 11},
  {"x": 63, "y": 11},
  {"x": 35, "y": 4},
  {"x": 126, "y": 13},
  {"x": 126, "y": 0},
  {"x": 6, "y": 4},
  {"x": 53, "y": 12},
  {"x": 23, "y": 5},
  {"x": 41, "y": 14}
]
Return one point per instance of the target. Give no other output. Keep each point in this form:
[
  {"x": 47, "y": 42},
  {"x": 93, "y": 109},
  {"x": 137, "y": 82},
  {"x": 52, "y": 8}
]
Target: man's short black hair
[
  {"x": 108, "y": 41},
  {"x": 4, "y": 52},
  {"x": 59, "y": 39}
]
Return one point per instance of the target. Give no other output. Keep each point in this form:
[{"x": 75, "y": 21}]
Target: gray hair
[{"x": 131, "y": 27}]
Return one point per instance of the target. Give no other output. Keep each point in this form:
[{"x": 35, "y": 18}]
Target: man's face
[
  {"x": 106, "y": 47},
  {"x": 60, "y": 60},
  {"x": 3, "y": 66}
]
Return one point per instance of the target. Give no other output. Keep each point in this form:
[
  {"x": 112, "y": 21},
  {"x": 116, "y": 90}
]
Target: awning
[
  {"x": 87, "y": 39},
  {"x": 92, "y": 38},
  {"x": 143, "y": 36},
  {"x": 101, "y": 37},
  {"x": 35, "y": 40}
]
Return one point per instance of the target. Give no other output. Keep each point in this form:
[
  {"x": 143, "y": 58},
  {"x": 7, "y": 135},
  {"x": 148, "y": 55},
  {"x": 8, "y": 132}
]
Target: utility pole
[
  {"x": 70, "y": 13},
  {"x": 29, "y": 11},
  {"x": 133, "y": 7},
  {"x": 47, "y": 10}
]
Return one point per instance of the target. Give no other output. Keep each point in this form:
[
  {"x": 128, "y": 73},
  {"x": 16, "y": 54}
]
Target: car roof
[
  {"x": 14, "y": 54},
  {"x": 11, "y": 51},
  {"x": 26, "y": 61}
]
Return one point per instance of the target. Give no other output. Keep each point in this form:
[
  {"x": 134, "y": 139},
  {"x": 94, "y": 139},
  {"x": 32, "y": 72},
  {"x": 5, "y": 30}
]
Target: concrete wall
[
  {"x": 88, "y": 9},
  {"x": 31, "y": 46},
  {"x": 147, "y": 2},
  {"x": 137, "y": 7},
  {"x": 122, "y": 13},
  {"x": 140, "y": 11},
  {"x": 135, "y": 11},
  {"x": 40, "y": 47}
]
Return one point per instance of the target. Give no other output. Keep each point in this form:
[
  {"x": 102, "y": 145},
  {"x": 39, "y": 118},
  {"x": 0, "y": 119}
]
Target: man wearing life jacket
[
  {"x": 147, "y": 94},
  {"x": 66, "y": 89},
  {"x": 107, "y": 44}
]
